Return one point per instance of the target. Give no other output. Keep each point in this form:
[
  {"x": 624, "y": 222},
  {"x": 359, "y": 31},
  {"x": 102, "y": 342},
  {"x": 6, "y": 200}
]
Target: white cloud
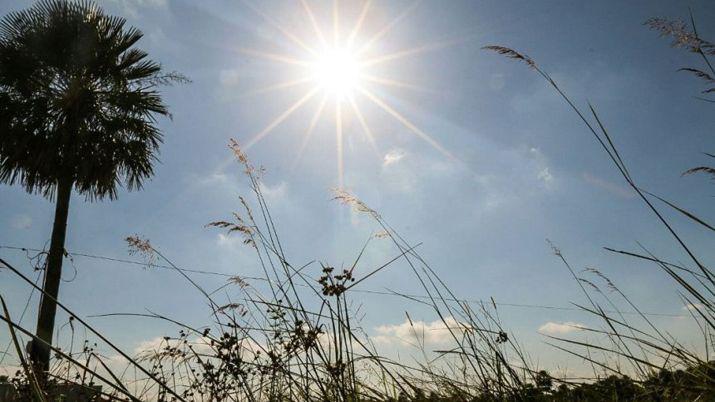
[
  {"x": 417, "y": 332},
  {"x": 150, "y": 345},
  {"x": 399, "y": 173},
  {"x": 555, "y": 328},
  {"x": 543, "y": 173},
  {"x": 215, "y": 178},
  {"x": 22, "y": 221},
  {"x": 545, "y": 176},
  {"x": 229, "y": 240},
  {"x": 275, "y": 192},
  {"x": 392, "y": 157}
]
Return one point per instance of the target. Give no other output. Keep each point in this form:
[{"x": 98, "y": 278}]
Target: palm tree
[{"x": 78, "y": 109}]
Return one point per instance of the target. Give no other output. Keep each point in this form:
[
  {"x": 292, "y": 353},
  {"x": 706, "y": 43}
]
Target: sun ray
[
  {"x": 396, "y": 83},
  {"x": 358, "y": 24},
  {"x": 336, "y": 23},
  {"x": 270, "y": 88},
  {"x": 278, "y": 120},
  {"x": 405, "y": 122},
  {"x": 274, "y": 56},
  {"x": 339, "y": 140},
  {"x": 314, "y": 23},
  {"x": 278, "y": 26},
  {"x": 280, "y": 85},
  {"x": 410, "y": 52},
  {"x": 365, "y": 127},
  {"x": 339, "y": 66},
  {"x": 387, "y": 28},
  {"x": 309, "y": 130}
]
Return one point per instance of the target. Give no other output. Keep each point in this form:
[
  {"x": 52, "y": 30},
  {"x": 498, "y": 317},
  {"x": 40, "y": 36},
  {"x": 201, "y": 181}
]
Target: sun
[
  {"x": 342, "y": 65},
  {"x": 337, "y": 72}
]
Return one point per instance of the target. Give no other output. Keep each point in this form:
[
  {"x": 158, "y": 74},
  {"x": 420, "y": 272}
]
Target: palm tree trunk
[{"x": 40, "y": 352}]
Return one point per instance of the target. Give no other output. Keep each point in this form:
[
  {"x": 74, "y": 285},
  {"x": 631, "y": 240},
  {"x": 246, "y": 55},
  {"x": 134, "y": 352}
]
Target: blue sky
[{"x": 524, "y": 167}]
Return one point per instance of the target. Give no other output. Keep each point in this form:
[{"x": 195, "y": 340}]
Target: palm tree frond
[{"x": 78, "y": 100}]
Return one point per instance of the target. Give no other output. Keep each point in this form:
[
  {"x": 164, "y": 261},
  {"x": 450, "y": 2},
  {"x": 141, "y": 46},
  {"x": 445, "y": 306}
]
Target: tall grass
[
  {"x": 658, "y": 360},
  {"x": 294, "y": 334}
]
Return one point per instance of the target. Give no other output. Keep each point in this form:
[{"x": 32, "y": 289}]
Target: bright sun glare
[
  {"x": 337, "y": 72},
  {"x": 339, "y": 66}
]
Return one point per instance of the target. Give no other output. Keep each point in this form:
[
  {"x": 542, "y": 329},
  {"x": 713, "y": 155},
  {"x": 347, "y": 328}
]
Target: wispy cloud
[
  {"x": 274, "y": 192},
  {"x": 556, "y": 328},
  {"x": 612, "y": 188},
  {"x": 215, "y": 178},
  {"x": 225, "y": 240},
  {"x": 545, "y": 176},
  {"x": 393, "y": 157},
  {"x": 543, "y": 173}
]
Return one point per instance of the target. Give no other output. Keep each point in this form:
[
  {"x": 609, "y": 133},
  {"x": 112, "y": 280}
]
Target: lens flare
[
  {"x": 337, "y": 72},
  {"x": 342, "y": 67}
]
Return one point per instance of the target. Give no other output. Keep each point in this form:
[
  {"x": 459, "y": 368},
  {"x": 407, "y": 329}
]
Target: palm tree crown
[
  {"x": 78, "y": 104},
  {"x": 77, "y": 101}
]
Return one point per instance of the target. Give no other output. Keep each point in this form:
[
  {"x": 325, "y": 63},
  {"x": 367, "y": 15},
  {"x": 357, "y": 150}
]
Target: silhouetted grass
[{"x": 294, "y": 332}]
